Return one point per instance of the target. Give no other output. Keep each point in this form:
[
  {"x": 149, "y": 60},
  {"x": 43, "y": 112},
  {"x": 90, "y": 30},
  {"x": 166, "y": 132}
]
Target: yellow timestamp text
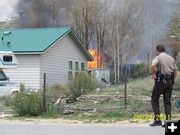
[{"x": 149, "y": 117}]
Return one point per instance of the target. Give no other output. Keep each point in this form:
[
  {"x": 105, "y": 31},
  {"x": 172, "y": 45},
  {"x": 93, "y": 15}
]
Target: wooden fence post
[
  {"x": 125, "y": 92},
  {"x": 44, "y": 92}
]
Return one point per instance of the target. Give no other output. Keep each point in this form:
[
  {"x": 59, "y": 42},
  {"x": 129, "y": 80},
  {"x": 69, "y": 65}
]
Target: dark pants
[{"x": 166, "y": 91}]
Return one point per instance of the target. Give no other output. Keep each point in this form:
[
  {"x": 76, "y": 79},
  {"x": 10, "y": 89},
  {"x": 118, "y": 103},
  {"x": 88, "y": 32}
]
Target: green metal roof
[{"x": 36, "y": 40}]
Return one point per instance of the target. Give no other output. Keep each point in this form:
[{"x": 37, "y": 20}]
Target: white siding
[
  {"x": 28, "y": 71},
  {"x": 54, "y": 62}
]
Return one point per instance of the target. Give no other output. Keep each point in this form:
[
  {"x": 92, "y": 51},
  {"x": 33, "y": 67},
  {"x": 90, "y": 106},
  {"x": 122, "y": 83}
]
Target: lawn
[
  {"x": 108, "y": 104},
  {"x": 139, "y": 102},
  {"x": 137, "y": 87}
]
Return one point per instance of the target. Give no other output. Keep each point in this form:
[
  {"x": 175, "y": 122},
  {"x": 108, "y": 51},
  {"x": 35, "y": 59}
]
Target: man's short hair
[{"x": 160, "y": 48}]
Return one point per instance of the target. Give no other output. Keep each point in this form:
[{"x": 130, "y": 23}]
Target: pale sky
[{"x": 7, "y": 9}]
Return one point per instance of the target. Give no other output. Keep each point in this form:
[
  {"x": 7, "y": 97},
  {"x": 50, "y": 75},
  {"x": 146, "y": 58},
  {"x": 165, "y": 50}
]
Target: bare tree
[
  {"x": 124, "y": 30},
  {"x": 85, "y": 15},
  {"x": 59, "y": 13},
  {"x": 54, "y": 12},
  {"x": 173, "y": 38},
  {"x": 101, "y": 31}
]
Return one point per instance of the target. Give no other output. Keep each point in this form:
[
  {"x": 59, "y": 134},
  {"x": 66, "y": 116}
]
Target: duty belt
[{"x": 162, "y": 78}]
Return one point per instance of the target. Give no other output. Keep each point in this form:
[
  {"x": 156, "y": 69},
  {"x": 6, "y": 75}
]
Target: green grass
[
  {"x": 97, "y": 105},
  {"x": 137, "y": 87},
  {"x": 134, "y": 87},
  {"x": 114, "y": 116},
  {"x": 109, "y": 111}
]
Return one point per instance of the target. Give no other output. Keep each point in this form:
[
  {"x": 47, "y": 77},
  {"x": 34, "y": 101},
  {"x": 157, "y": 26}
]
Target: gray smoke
[
  {"x": 8, "y": 9},
  {"x": 157, "y": 20},
  {"x": 41, "y": 13}
]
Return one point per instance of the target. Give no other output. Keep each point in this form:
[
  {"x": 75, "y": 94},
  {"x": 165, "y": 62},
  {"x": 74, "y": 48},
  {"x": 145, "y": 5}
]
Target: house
[{"x": 58, "y": 52}]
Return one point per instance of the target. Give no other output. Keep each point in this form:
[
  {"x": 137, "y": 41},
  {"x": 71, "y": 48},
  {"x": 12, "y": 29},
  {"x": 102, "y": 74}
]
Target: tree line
[{"x": 119, "y": 29}]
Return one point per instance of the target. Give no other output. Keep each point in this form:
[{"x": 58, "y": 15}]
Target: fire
[{"x": 97, "y": 62}]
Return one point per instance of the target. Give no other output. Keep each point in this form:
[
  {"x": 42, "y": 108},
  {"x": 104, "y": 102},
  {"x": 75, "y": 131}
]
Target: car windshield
[{"x": 2, "y": 76}]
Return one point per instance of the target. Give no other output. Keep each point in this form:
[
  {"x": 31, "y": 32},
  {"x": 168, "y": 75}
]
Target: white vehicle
[{"x": 7, "y": 60}]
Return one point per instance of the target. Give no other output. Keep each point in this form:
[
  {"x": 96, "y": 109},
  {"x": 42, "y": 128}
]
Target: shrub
[
  {"x": 178, "y": 66},
  {"x": 6, "y": 100},
  {"x": 27, "y": 104},
  {"x": 177, "y": 84},
  {"x": 81, "y": 85},
  {"x": 58, "y": 89},
  {"x": 55, "y": 92},
  {"x": 22, "y": 87},
  {"x": 140, "y": 70}
]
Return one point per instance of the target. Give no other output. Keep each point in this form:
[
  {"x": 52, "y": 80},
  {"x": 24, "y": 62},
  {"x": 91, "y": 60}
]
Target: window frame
[
  {"x": 85, "y": 66},
  {"x": 75, "y": 71},
  {"x": 70, "y": 70}
]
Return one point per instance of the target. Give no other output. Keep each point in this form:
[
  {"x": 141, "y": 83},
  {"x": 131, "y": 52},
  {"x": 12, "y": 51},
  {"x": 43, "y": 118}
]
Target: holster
[{"x": 163, "y": 78}]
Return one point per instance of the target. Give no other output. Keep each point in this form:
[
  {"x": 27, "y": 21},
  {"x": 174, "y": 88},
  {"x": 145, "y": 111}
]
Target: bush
[
  {"x": 55, "y": 92},
  {"x": 27, "y": 104},
  {"x": 81, "y": 85},
  {"x": 178, "y": 66},
  {"x": 177, "y": 84},
  {"x": 22, "y": 87},
  {"x": 6, "y": 100},
  {"x": 140, "y": 70}
]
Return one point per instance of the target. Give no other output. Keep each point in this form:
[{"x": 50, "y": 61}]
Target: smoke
[
  {"x": 157, "y": 19},
  {"x": 42, "y": 13},
  {"x": 32, "y": 13},
  {"x": 8, "y": 9}
]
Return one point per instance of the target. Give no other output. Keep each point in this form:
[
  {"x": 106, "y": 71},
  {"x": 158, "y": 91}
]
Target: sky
[{"x": 8, "y": 9}]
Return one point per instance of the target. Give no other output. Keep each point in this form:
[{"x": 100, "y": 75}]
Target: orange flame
[{"x": 97, "y": 62}]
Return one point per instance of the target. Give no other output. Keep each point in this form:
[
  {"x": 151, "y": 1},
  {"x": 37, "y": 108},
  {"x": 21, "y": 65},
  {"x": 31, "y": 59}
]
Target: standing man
[{"x": 163, "y": 71}]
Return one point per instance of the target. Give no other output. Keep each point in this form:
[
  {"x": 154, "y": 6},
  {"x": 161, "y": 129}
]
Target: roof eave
[
  {"x": 28, "y": 53},
  {"x": 82, "y": 48}
]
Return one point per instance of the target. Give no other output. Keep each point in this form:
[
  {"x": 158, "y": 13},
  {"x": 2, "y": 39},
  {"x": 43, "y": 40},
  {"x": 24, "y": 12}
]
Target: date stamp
[{"x": 149, "y": 117}]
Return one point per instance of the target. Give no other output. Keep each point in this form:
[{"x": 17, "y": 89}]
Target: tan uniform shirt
[{"x": 164, "y": 63}]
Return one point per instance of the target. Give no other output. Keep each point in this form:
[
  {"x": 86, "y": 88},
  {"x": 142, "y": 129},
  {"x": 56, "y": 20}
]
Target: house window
[
  {"x": 76, "y": 68},
  {"x": 83, "y": 67},
  {"x": 70, "y": 70}
]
